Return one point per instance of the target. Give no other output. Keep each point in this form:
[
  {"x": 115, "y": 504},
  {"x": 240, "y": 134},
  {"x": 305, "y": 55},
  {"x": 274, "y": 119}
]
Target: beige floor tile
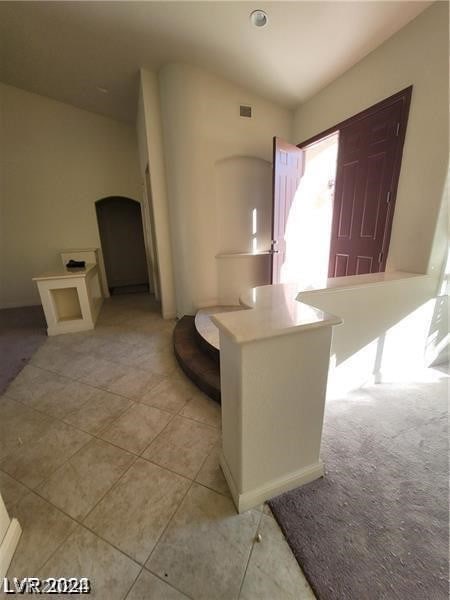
[
  {"x": 171, "y": 394},
  {"x": 51, "y": 357},
  {"x": 80, "y": 483},
  {"x": 34, "y": 383},
  {"x": 146, "y": 324},
  {"x": 83, "y": 554},
  {"x": 134, "y": 383},
  {"x": 160, "y": 341},
  {"x": 37, "y": 458},
  {"x": 90, "y": 344},
  {"x": 97, "y": 414},
  {"x": 68, "y": 340},
  {"x": 111, "y": 333},
  {"x": 182, "y": 446},
  {"x": 11, "y": 491},
  {"x": 49, "y": 392},
  {"x": 196, "y": 541},
  {"x": 205, "y": 549},
  {"x": 161, "y": 362},
  {"x": 18, "y": 425},
  {"x": 103, "y": 372},
  {"x": 134, "y": 513},
  {"x": 203, "y": 409},
  {"x": 58, "y": 403},
  {"x": 149, "y": 587},
  {"x": 273, "y": 571},
  {"x": 138, "y": 337},
  {"x": 111, "y": 316},
  {"x": 211, "y": 474},
  {"x": 130, "y": 358},
  {"x": 115, "y": 351},
  {"x": 137, "y": 427},
  {"x": 75, "y": 365},
  {"x": 44, "y": 528}
]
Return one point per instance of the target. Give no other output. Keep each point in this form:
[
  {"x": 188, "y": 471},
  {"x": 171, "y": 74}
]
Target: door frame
[
  {"x": 405, "y": 96},
  {"x": 276, "y": 140},
  {"x": 368, "y": 112},
  {"x": 154, "y": 271}
]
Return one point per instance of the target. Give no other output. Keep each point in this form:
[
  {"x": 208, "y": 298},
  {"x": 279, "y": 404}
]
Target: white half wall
[
  {"x": 202, "y": 126},
  {"x": 56, "y": 161},
  {"x": 387, "y": 330},
  {"x": 10, "y": 532},
  {"x": 417, "y": 55}
]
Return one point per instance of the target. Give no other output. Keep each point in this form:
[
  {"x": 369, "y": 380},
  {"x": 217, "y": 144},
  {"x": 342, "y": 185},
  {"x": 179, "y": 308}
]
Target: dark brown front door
[
  {"x": 370, "y": 149},
  {"x": 288, "y": 164}
]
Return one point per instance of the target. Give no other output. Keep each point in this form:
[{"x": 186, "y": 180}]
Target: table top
[{"x": 66, "y": 273}]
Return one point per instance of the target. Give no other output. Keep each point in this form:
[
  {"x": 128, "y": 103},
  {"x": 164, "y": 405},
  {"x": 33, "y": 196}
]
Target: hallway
[{"x": 109, "y": 459}]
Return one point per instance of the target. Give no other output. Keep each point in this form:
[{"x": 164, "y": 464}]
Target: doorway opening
[
  {"x": 308, "y": 227},
  {"x": 334, "y": 196},
  {"x": 122, "y": 240}
]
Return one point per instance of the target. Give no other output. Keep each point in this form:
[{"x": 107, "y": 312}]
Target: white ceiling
[{"x": 65, "y": 50}]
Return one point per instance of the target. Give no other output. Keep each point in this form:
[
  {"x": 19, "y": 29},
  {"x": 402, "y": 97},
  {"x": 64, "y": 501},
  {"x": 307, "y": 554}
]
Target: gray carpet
[
  {"x": 376, "y": 527},
  {"x": 22, "y": 331}
]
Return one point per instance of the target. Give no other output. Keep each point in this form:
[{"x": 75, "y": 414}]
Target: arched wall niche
[
  {"x": 243, "y": 204},
  {"x": 244, "y": 225}
]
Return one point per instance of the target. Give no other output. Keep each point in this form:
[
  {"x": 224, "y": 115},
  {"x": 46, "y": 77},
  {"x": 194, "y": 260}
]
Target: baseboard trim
[
  {"x": 9, "y": 545},
  {"x": 169, "y": 315},
  {"x": 273, "y": 488},
  {"x": 6, "y": 305}
]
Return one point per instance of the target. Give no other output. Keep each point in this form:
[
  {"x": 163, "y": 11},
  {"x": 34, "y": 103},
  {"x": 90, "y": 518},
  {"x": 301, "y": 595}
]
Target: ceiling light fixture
[
  {"x": 103, "y": 90},
  {"x": 259, "y": 18}
]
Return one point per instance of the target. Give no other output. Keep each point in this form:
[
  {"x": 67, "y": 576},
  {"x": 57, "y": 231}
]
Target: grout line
[
  {"x": 167, "y": 524},
  {"x": 97, "y": 436},
  {"x": 251, "y": 552},
  {"x": 167, "y": 469},
  {"x": 78, "y": 521},
  {"x": 132, "y": 585},
  {"x": 56, "y": 549},
  {"x": 133, "y": 402},
  {"x": 216, "y": 428},
  {"x": 167, "y": 583},
  {"x": 94, "y": 533},
  {"x": 66, "y": 423},
  {"x": 110, "y": 489}
]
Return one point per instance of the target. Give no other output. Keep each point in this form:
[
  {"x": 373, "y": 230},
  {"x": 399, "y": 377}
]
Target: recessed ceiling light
[
  {"x": 103, "y": 90},
  {"x": 259, "y": 18}
]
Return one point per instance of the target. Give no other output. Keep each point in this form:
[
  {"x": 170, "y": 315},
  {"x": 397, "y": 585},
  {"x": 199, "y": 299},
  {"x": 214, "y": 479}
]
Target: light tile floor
[{"x": 109, "y": 459}]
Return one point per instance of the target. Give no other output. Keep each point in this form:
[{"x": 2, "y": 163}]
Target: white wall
[
  {"x": 10, "y": 532},
  {"x": 418, "y": 55},
  {"x": 201, "y": 126},
  {"x": 150, "y": 142},
  {"x": 386, "y": 329},
  {"x": 57, "y": 161},
  {"x": 243, "y": 194}
]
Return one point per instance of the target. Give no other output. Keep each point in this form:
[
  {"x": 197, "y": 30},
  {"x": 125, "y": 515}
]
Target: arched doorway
[{"x": 122, "y": 240}]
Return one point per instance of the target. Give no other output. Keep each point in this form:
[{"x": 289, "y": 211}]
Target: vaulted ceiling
[{"x": 67, "y": 50}]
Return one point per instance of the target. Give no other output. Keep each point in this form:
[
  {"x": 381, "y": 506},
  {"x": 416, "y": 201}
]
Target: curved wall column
[{"x": 201, "y": 126}]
